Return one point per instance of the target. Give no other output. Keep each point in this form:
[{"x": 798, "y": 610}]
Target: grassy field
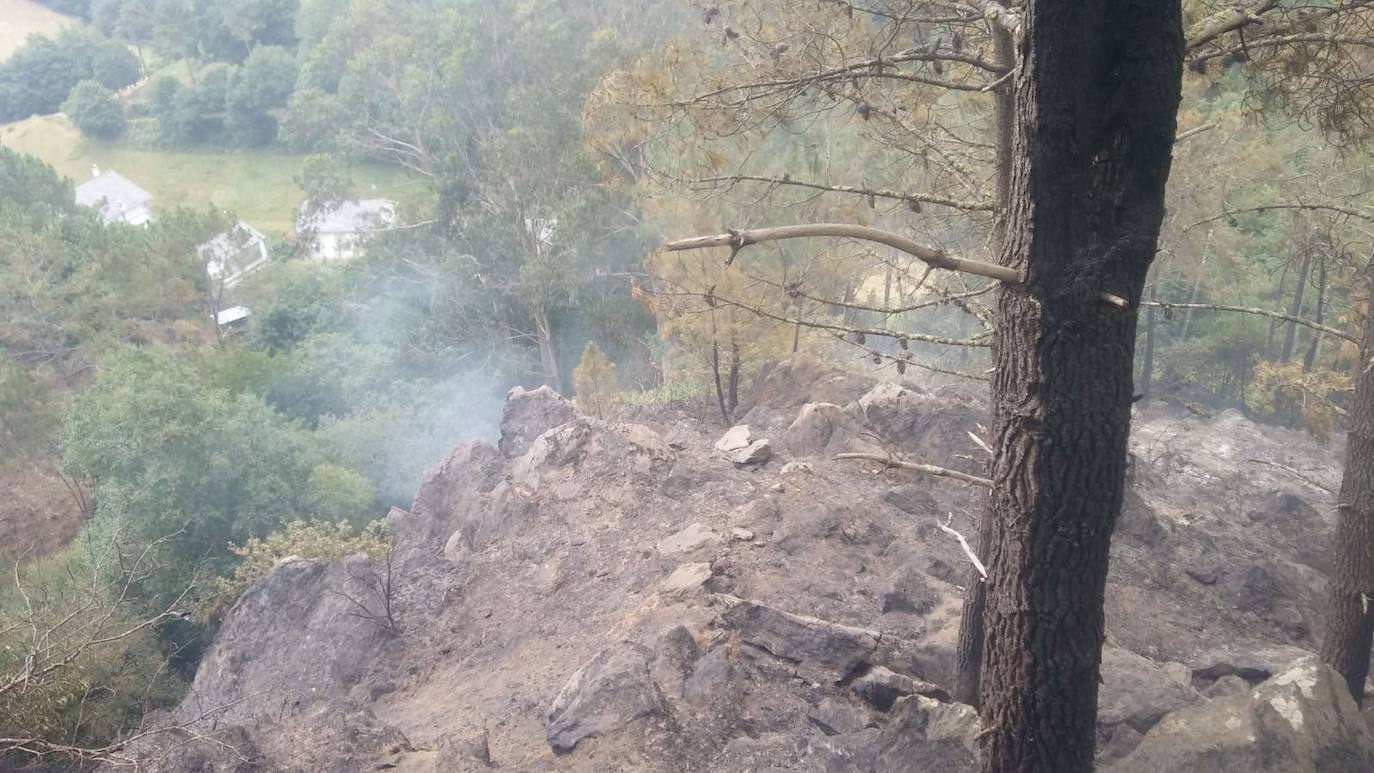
[
  {"x": 256, "y": 185},
  {"x": 21, "y": 18}
]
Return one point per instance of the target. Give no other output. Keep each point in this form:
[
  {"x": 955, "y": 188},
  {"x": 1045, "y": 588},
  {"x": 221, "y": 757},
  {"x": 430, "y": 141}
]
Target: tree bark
[
  {"x": 1350, "y": 606},
  {"x": 1097, "y": 97}
]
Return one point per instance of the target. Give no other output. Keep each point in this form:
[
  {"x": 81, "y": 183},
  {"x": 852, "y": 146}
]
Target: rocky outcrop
[
  {"x": 1135, "y": 694},
  {"x": 621, "y": 593},
  {"x": 529, "y": 414},
  {"x": 925, "y": 732},
  {"x": 1301, "y": 720},
  {"x": 882, "y": 687},
  {"x": 738, "y": 445},
  {"x": 611, "y": 690},
  {"x": 788, "y": 385},
  {"x": 819, "y": 430}
]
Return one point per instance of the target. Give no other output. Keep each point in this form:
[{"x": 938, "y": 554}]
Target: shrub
[
  {"x": 595, "y": 382},
  {"x": 302, "y": 539},
  {"x": 94, "y": 110}
]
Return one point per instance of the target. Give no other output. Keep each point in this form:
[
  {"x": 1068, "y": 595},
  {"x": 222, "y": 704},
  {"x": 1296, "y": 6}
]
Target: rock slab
[
  {"x": 613, "y": 689},
  {"x": 818, "y": 648}
]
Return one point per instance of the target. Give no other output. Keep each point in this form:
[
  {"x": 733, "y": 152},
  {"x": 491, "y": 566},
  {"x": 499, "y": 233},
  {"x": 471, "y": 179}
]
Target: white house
[
  {"x": 338, "y": 230},
  {"x": 117, "y": 198},
  {"x": 234, "y": 254}
]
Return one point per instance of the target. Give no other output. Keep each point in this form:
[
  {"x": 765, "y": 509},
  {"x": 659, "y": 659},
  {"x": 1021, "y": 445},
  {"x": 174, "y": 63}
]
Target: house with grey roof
[
  {"x": 233, "y": 320},
  {"x": 337, "y": 230},
  {"x": 234, "y": 254},
  {"x": 116, "y": 197}
]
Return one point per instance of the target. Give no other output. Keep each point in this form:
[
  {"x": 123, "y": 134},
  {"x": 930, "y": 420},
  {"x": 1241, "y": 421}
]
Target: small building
[
  {"x": 116, "y": 197},
  {"x": 233, "y": 320},
  {"x": 338, "y": 230},
  {"x": 234, "y": 254}
]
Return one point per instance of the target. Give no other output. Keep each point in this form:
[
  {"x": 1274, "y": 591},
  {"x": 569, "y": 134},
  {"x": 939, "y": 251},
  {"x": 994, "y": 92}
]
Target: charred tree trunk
[
  {"x": 1318, "y": 316},
  {"x": 969, "y": 651},
  {"x": 1097, "y": 94},
  {"x": 1350, "y": 606},
  {"x": 1295, "y": 310}
]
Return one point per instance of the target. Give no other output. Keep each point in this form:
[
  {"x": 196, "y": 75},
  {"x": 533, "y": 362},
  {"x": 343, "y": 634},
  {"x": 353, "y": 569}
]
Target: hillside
[
  {"x": 255, "y": 184},
  {"x": 22, "y": 18},
  {"x": 601, "y": 596}
]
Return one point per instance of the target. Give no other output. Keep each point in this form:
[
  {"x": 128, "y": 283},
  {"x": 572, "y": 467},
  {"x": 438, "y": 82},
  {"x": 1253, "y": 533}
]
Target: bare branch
[
  {"x": 1258, "y": 312},
  {"x": 1344, "y": 211},
  {"x": 1196, "y": 130},
  {"x": 909, "y": 198},
  {"x": 737, "y": 240},
  {"x": 1008, "y": 19},
  {"x": 928, "y": 469},
  {"x": 963, "y": 543},
  {"x": 1229, "y": 20},
  {"x": 1295, "y": 473}
]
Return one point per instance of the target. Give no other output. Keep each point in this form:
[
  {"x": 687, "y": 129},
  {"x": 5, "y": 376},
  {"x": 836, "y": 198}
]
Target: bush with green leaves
[
  {"x": 41, "y": 74},
  {"x": 95, "y": 110},
  {"x": 188, "y": 468},
  {"x": 302, "y": 539}
]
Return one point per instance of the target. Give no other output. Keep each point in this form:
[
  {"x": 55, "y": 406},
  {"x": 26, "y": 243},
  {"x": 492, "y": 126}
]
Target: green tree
[
  {"x": 77, "y": 286},
  {"x": 136, "y": 24},
  {"x": 292, "y": 302},
  {"x": 112, "y": 64},
  {"x": 42, "y": 72},
  {"x": 176, "y": 29},
  {"x": 95, "y": 110},
  {"x": 183, "y": 469},
  {"x": 261, "y": 85}
]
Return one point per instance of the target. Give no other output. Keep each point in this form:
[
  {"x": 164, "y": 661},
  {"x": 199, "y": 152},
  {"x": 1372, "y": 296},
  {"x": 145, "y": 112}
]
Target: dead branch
[
  {"x": 377, "y": 604},
  {"x": 924, "y": 338},
  {"x": 879, "y": 193},
  {"x": 963, "y": 543},
  {"x": 1343, "y": 211},
  {"x": 1229, "y": 20},
  {"x": 1193, "y": 132},
  {"x": 928, "y": 469},
  {"x": 738, "y": 239},
  {"x": 56, "y": 646},
  {"x": 1009, "y": 19},
  {"x": 111, "y": 753},
  {"x": 1167, "y": 306},
  {"x": 1295, "y": 473}
]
